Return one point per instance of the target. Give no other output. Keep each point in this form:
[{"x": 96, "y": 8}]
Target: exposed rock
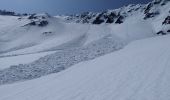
[
  {"x": 32, "y": 16},
  {"x": 98, "y": 19},
  {"x": 148, "y": 7},
  {"x": 162, "y": 4},
  {"x": 151, "y": 15},
  {"x": 110, "y": 17},
  {"x": 43, "y": 23},
  {"x": 167, "y": 20},
  {"x": 32, "y": 23},
  {"x": 119, "y": 20},
  {"x": 10, "y": 13},
  {"x": 157, "y": 1},
  {"x": 38, "y": 23},
  {"x": 161, "y": 33},
  {"x": 47, "y": 33},
  {"x": 25, "y": 14},
  {"x": 38, "y": 16}
]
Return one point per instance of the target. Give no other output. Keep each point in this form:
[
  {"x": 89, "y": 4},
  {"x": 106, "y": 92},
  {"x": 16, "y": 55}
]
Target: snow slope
[
  {"x": 20, "y": 36},
  {"x": 31, "y": 39},
  {"x": 6, "y": 62},
  {"x": 33, "y": 36},
  {"x": 140, "y": 71},
  {"x": 71, "y": 35},
  {"x": 59, "y": 61}
]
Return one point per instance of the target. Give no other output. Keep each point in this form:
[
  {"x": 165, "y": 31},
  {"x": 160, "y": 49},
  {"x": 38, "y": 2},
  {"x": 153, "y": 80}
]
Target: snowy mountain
[
  {"x": 140, "y": 71},
  {"x": 117, "y": 54},
  {"x": 149, "y": 11},
  {"x": 38, "y": 30}
]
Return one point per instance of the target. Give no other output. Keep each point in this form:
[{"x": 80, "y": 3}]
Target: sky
[{"x": 60, "y": 7}]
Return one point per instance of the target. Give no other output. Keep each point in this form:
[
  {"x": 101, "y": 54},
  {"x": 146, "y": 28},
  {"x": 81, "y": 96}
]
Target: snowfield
[
  {"x": 120, "y": 54},
  {"x": 59, "y": 61},
  {"x": 6, "y": 62},
  {"x": 140, "y": 71}
]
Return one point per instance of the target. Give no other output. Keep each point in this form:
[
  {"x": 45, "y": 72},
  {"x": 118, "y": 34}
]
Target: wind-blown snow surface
[
  {"x": 6, "y": 62},
  {"x": 18, "y": 36},
  {"x": 140, "y": 71},
  {"x": 59, "y": 61},
  {"x": 90, "y": 40},
  {"x": 19, "y": 39},
  {"x": 24, "y": 36}
]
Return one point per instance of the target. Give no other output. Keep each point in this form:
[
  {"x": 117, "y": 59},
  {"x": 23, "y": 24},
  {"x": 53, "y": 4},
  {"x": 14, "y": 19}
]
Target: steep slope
[
  {"x": 78, "y": 35},
  {"x": 99, "y": 40},
  {"x": 156, "y": 12},
  {"x": 57, "y": 44},
  {"x": 58, "y": 61},
  {"x": 140, "y": 71},
  {"x": 40, "y": 33}
]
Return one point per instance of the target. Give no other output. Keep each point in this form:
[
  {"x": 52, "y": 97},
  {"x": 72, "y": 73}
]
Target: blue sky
[{"x": 56, "y": 7}]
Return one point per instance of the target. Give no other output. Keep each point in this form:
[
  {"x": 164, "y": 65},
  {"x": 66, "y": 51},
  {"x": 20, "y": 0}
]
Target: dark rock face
[
  {"x": 161, "y": 2},
  {"x": 168, "y": 30},
  {"x": 148, "y": 9},
  {"x": 37, "y": 20},
  {"x": 25, "y": 14},
  {"x": 147, "y": 12},
  {"x": 167, "y": 20},
  {"x": 4, "y": 12},
  {"x": 47, "y": 33},
  {"x": 157, "y": 1},
  {"x": 98, "y": 19},
  {"x": 110, "y": 20},
  {"x": 151, "y": 15},
  {"x": 164, "y": 2},
  {"x": 161, "y": 33},
  {"x": 86, "y": 17},
  {"x": 32, "y": 16},
  {"x": 116, "y": 16},
  {"x": 110, "y": 17},
  {"x": 32, "y": 23},
  {"x": 43, "y": 23},
  {"x": 106, "y": 17},
  {"x": 119, "y": 20},
  {"x": 35, "y": 16}
]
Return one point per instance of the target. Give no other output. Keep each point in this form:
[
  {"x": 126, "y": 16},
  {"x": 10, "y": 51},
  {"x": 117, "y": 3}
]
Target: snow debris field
[
  {"x": 140, "y": 71},
  {"x": 120, "y": 54}
]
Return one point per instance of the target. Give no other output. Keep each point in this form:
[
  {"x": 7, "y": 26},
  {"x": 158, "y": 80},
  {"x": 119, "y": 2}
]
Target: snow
[
  {"x": 16, "y": 39},
  {"x": 158, "y": 21},
  {"x": 30, "y": 39},
  {"x": 60, "y": 60},
  {"x": 72, "y": 42},
  {"x": 126, "y": 61},
  {"x": 6, "y": 62},
  {"x": 140, "y": 71}
]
